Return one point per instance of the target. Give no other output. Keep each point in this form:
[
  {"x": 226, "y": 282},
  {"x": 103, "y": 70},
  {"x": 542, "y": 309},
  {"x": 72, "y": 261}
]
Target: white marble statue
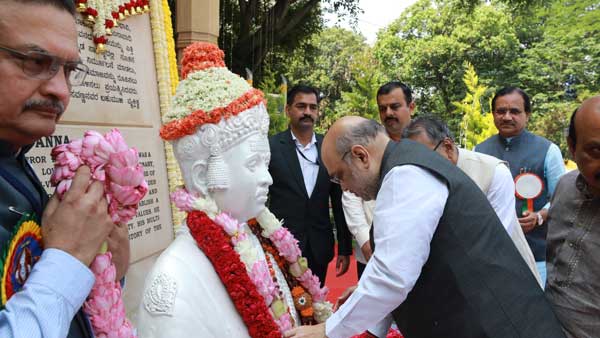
[{"x": 225, "y": 166}]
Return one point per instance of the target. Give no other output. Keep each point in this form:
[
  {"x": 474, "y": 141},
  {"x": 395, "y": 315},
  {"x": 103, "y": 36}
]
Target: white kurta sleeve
[
  {"x": 409, "y": 206},
  {"x": 501, "y": 196}
]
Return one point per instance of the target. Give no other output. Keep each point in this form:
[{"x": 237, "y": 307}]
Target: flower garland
[
  {"x": 103, "y": 16},
  {"x": 392, "y": 333},
  {"x": 200, "y": 57},
  {"x": 112, "y": 162},
  {"x": 309, "y": 297},
  {"x": 167, "y": 78},
  {"x": 188, "y": 125},
  {"x": 214, "y": 242}
]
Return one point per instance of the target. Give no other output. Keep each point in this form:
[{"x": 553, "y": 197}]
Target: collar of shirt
[
  {"x": 582, "y": 186},
  {"x": 313, "y": 141},
  {"x": 513, "y": 140}
]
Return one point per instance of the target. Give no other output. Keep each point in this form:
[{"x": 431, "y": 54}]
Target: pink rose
[
  {"x": 182, "y": 199},
  {"x": 286, "y": 244}
]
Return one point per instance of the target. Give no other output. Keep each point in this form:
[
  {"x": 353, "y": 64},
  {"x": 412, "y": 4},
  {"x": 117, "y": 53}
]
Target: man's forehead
[
  {"x": 306, "y": 98},
  {"x": 511, "y": 99},
  {"x": 395, "y": 96},
  {"x": 39, "y": 27}
]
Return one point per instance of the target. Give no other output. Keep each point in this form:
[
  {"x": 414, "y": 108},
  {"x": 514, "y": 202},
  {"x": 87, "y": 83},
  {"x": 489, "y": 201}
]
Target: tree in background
[
  {"x": 361, "y": 99},
  {"x": 333, "y": 61},
  {"x": 276, "y": 97},
  {"x": 251, "y": 30},
  {"x": 428, "y": 45},
  {"x": 475, "y": 125},
  {"x": 551, "y": 49},
  {"x": 561, "y": 67}
]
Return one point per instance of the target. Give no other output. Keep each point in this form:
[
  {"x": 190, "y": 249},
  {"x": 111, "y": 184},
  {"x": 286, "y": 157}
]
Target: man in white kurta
[
  {"x": 490, "y": 174},
  {"x": 411, "y": 203}
]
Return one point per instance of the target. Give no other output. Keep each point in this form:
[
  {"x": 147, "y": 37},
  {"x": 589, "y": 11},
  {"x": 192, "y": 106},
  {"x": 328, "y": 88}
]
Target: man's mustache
[
  {"x": 391, "y": 118},
  {"x": 51, "y": 104},
  {"x": 307, "y": 117}
]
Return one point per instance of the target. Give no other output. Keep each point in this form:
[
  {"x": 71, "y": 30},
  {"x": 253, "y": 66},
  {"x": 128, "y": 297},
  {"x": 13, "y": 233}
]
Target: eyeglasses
[
  {"x": 44, "y": 66},
  {"x": 438, "y": 144},
  {"x": 334, "y": 178}
]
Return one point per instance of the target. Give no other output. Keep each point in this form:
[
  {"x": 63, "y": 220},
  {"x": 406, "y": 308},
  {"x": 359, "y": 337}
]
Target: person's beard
[{"x": 369, "y": 184}]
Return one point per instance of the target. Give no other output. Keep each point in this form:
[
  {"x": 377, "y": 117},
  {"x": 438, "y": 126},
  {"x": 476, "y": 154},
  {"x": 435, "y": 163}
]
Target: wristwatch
[{"x": 540, "y": 219}]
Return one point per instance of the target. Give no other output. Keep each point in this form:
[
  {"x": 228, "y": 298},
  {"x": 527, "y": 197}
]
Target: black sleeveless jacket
[{"x": 474, "y": 283}]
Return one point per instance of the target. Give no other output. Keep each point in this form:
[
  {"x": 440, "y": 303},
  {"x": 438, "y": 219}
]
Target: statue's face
[{"x": 249, "y": 178}]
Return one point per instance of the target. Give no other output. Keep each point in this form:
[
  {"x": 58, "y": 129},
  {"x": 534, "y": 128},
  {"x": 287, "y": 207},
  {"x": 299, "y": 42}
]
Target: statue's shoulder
[{"x": 183, "y": 295}]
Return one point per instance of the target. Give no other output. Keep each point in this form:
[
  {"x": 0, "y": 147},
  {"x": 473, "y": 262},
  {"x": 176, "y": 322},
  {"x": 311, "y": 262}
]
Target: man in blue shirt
[
  {"x": 525, "y": 153},
  {"x": 39, "y": 62}
]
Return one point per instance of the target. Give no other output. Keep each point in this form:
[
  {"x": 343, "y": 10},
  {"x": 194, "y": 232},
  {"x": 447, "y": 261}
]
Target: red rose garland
[{"x": 215, "y": 244}]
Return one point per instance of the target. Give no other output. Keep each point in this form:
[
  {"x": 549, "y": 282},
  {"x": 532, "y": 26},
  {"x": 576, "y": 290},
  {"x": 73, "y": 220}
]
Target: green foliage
[
  {"x": 255, "y": 32},
  {"x": 340, "y": 64},
  {"x": 562, "y": 67},
  {"x": 275, "y": 103},
  {"x": 428, "y": 45},
  {"x": 362, "y": 98},
  {"x": 475, "y": 126},
  {"x": 551, "y": 49}
]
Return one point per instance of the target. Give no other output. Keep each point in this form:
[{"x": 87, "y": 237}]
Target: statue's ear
[{"x": 199, "y": 176}]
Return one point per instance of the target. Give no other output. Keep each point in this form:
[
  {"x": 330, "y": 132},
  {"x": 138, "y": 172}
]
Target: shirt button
[
  {"x": 571, "y": 244},
  {"x": 507, "y": 149}
]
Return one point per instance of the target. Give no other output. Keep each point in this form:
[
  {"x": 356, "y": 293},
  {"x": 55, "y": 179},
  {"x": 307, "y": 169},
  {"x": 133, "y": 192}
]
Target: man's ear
[
  {"x": 450, "y": 150},
  {"x": 361, "y": 153},
  {"x": 199, "y": 177},
  {"x": 411, "y": 107}
]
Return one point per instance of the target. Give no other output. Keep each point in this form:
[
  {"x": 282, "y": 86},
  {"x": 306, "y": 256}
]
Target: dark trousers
[
  {"x": 360, "y": 268},
  {"x": 318, "y": 267}
]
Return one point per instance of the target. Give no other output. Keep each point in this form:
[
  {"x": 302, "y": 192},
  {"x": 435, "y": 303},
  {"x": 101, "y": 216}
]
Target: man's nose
[{"x": 57, "y": 86}]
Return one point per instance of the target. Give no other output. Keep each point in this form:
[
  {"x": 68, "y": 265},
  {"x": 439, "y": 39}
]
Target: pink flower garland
[
  {"x": 284, "y": 242},
  {"x": 111, "y": 161}
]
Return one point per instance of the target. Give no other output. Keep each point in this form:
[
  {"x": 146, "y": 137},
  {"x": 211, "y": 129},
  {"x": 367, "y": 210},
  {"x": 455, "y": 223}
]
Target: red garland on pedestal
[{"x": 214, "y": 242}]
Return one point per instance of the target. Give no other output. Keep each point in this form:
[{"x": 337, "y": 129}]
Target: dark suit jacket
[
  {"x": 306, "y": 217},
  {"x": 10, "y": 196}
]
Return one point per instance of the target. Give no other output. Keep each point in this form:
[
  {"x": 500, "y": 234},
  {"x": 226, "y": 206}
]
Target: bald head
[
  {"x": 584, "y": 141},
  {"x": 349, "y": 131},
  {"x": 352, "y": 151}
]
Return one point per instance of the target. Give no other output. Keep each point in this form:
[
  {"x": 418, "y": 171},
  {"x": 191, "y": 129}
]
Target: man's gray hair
[
  {"x": 363, "y": 133},
  {"x": 435, "y": 129},
  {"x": 66, "y": 5}
]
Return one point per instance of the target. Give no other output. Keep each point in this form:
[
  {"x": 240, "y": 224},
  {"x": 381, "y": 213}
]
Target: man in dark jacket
[{"x": 301, "y": 188}]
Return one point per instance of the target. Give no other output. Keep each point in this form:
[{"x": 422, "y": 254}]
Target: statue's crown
[{"x": 208, "y": 94}]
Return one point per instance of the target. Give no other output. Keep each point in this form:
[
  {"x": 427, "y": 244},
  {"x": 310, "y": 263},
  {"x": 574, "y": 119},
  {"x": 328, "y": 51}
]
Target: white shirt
[
  {"x": 409, "y": 206},
  {"x": 359, "y": 217},
  {"x": 501, "y": 196},
  {"x": 310, "y": 168}
]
